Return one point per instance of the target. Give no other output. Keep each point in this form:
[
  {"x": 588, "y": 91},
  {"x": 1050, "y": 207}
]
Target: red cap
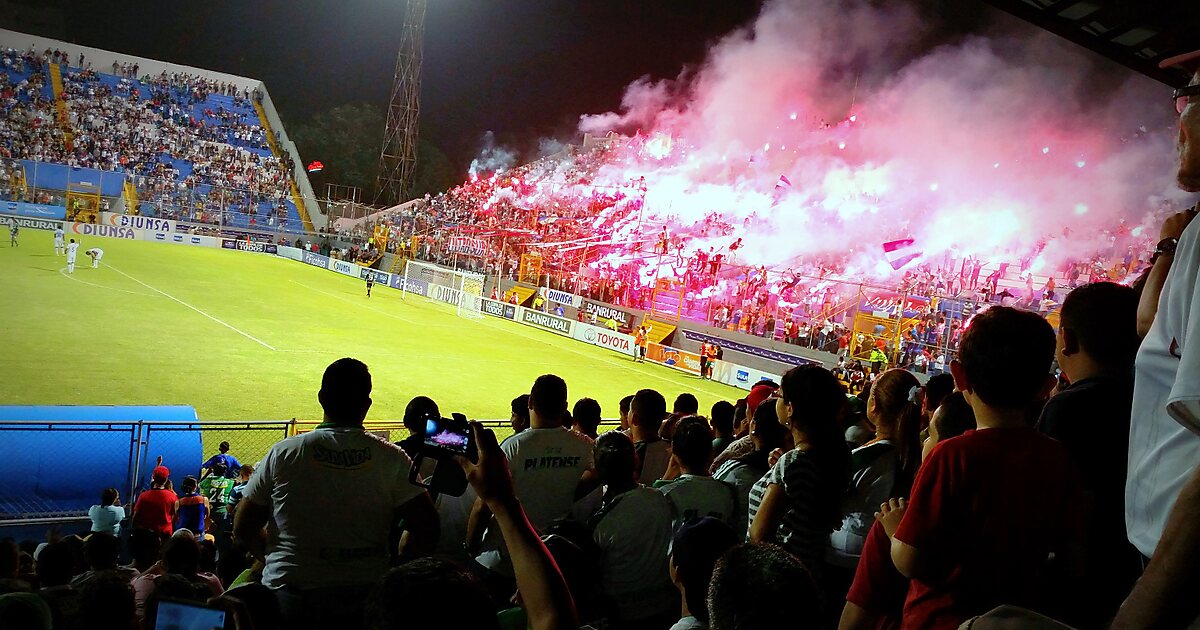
[
  {"x": 162, "y": 472},
  {"x": 1187, "y": 61},
  {"x": 757, "y": 395}
]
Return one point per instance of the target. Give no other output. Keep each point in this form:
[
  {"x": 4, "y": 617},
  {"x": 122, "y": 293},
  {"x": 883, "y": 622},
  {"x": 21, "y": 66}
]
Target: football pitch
[{"x": 244, "y": 336}]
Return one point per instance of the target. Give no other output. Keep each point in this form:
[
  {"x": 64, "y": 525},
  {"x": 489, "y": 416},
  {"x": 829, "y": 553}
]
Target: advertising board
[
  {"x": 604, "y": 338},
  {"x": 739, "y": 375},
  {"x": 343, "y": 267},
  {"x": 250, "y": 246},
  {"x": 412, "y": 285},
  {"x": 674, "y": 357},
  {"x": 109, "y": 231},
  {"x": 316, "y": 260},
  {"x": 138, "y": 222},
  {"x": 497, "y": 309},
  {"x": 561, "y": 297},
  {"x": 381, "y": 277},
  {"x": 32, "y": 224},
  {"x": 606, "y": 311},
  {"x": 291, "y": 253},
  {"x": 546, "y": 321},
  {"x": 179, "y": 238}
]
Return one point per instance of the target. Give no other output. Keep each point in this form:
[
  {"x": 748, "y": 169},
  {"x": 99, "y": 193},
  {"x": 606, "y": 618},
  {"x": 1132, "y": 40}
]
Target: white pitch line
[
  {"x": 221, "y": 322},
  {"x": 367, "y": 306},
  {"x": 64, "y": 273}
]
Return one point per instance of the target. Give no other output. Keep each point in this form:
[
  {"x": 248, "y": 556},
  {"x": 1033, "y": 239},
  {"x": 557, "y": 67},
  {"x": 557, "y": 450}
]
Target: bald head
[
  {"x": 1189, "y": 122},
  {"x": 1189, "y": 142}
]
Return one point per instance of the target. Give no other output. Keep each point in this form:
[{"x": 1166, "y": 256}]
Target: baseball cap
[
  {"x": 699, "y": 543},
  {"x": 758, "y": 394},
  {"x": 161, "y": 472}
]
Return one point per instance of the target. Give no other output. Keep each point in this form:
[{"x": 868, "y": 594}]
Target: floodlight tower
[{"x": 398, "y": 159}]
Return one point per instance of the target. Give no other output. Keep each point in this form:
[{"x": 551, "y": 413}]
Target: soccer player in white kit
[
  {"x": 72, "y": 250},
  {"x": 59, "y": 248},
  {"x": 96, "y": 253}
]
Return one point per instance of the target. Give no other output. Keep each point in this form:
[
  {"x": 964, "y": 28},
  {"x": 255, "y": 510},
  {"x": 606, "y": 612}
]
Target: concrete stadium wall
[
  {"x": 748, "y": 360},
  {"x": 102, "y": 60}
]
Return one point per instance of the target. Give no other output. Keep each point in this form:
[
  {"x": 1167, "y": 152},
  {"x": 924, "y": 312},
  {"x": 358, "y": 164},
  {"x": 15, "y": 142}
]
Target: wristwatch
[{"x": 1166, "y": 247}]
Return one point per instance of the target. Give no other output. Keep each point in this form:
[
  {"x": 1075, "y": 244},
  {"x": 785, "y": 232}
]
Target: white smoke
[
  {"x": 492, "y": 158},
  {"x": 994, "y": 146}
]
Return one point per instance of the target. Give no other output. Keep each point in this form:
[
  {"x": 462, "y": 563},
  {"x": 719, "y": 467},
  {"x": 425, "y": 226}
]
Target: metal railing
[{"x": 62, "y": 466}]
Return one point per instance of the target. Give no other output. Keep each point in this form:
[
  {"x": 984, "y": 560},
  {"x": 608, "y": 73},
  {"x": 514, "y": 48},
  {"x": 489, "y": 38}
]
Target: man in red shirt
[
  {"x": 995, "y": 515},
  {"x": 876, "y": 597},
  {"x": 155, "y": 508}
]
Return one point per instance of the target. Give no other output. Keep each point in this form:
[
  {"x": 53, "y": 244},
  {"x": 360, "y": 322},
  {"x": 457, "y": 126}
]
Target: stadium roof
[{"x": 1136, "y": 33}]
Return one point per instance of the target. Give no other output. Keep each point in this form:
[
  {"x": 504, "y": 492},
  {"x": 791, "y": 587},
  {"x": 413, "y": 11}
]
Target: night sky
[{"x": 524, "y": 69}]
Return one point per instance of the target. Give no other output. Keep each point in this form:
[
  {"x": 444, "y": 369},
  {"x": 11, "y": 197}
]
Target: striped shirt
[{"x": 802, "y": 531}]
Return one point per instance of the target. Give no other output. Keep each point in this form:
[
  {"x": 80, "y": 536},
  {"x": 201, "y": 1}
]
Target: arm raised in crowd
[
  {"x": 547, "y": 600},
  {"x": 1148, "y": 303}
]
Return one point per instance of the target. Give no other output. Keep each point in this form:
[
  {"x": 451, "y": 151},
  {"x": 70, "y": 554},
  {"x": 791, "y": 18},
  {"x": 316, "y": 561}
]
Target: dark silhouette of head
[{"x": 346, "y": 392}]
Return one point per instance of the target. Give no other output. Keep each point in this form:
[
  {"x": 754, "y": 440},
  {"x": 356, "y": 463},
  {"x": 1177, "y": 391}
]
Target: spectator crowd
[
  {"x": 993, "y": 492},
  {"x": 1006, "y": 494},
  {"x": 193, "y": 146}
]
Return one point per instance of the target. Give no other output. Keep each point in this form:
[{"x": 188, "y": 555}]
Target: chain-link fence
[{"x": 54, "y": 471}]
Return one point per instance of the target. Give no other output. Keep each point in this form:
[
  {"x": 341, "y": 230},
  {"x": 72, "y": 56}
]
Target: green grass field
[{"x": 244, "y": 336}]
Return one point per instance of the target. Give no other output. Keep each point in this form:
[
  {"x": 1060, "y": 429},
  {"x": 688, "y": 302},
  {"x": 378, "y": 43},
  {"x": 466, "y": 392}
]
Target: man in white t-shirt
[
  {"x": 547, "y": 462},
  {"x": 1162, "y": 490},
  {"x": 694, "y": 494},
  {"x": 633, "y": 531},
  {"x": 328, "y": 500},
  {"x": 72, "y": 252},
  {"x": 95, "y": 254},
  {"x": 59, "y": 248}
]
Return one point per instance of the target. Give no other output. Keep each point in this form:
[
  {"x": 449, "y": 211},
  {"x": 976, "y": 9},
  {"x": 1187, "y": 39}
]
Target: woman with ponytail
[{"x": 883, "y": 467}]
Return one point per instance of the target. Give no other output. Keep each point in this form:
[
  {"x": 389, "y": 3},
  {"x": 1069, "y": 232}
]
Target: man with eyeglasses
[{"x": 1162, "y": 491}]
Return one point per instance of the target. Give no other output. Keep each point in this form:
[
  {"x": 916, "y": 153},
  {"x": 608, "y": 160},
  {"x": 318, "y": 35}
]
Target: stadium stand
[
  {"x": 146, "y": 138},
  {"x": 555, "y": 208}
]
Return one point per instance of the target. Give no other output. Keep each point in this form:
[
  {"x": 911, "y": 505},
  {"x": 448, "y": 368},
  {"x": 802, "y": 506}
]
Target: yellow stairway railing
[
  {"x": 277, "y": 151},
  {"x": 64, "y": 119},
  {"x": 129, "y": 192}
]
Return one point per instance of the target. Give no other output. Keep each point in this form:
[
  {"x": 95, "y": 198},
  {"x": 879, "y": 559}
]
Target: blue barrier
[
  {"x": 39, "y": 210},
  {"x": 63, "y": 177},
  {"x": 745, "y": 348},
  {"x": 55, "y": 460}
]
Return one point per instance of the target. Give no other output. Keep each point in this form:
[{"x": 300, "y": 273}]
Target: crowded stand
[
  {"x": 1043, "y": 477},
  {"x": 193, "y": 147},
  {"x": 591, "y": 240},
  {"x": 848, "y": 512}
]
